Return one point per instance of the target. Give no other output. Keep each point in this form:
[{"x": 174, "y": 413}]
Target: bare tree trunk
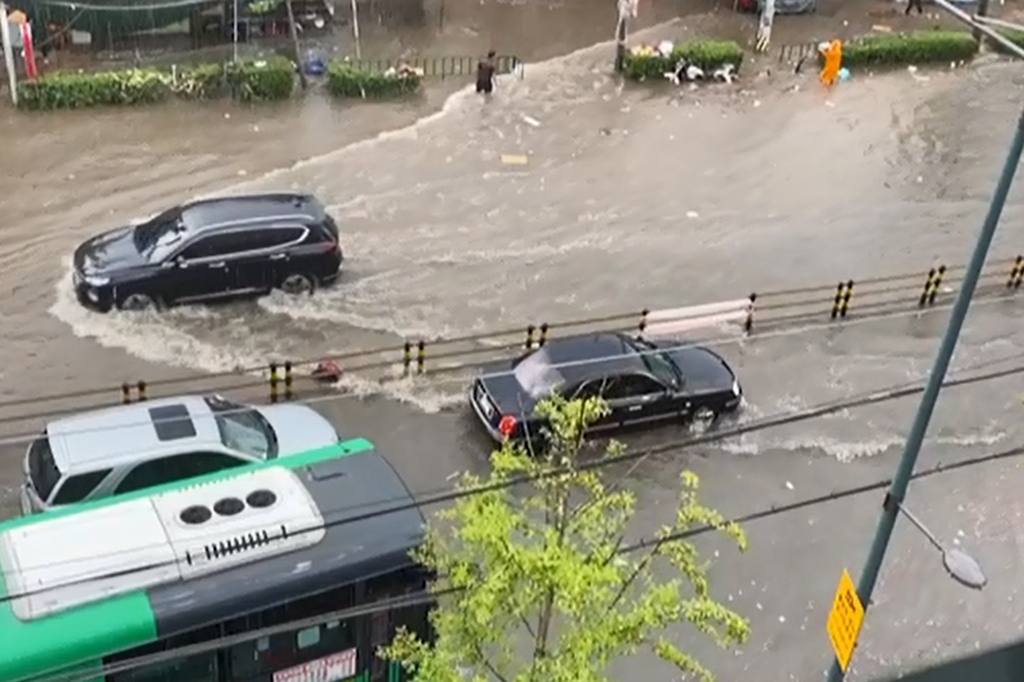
[{"x": 295, "y": 42}]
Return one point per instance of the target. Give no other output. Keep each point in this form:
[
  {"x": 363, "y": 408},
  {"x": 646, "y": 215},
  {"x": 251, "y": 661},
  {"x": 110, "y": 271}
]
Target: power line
[
  {"x": 519, "y": 330},
  {"x": 441, "y": 496},
  {"x": 427, "y": 597},
  {"x": 27, "y": 437}
]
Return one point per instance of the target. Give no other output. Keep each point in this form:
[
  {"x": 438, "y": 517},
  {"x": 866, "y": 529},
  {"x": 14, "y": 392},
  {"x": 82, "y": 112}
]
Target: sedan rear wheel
[
  {"x": 298, "y": 284},
  {"x": 137, "y": 302}
]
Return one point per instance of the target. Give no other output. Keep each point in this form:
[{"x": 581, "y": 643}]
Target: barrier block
[{"x": 673, "y": 321}]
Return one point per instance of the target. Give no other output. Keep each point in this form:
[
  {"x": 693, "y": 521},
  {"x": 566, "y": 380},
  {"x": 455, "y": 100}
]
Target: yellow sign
[{"x": 845, "y": 620}]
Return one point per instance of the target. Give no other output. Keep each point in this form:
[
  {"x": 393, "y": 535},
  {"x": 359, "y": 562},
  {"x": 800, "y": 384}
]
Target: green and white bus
[{"x": 86, "y": 589}]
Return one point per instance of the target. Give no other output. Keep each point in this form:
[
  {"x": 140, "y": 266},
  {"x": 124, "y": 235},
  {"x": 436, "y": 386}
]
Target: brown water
[{"x": 631, "y": 198}]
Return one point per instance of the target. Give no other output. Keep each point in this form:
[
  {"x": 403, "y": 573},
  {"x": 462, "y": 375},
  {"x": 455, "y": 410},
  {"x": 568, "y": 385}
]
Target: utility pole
[
  {"x": 295, "y": 43},
  {"x": 620, "y": 34},
  {"x": 234, "y": 34},
  {"x": 900, "y": 482},
  {"x": 355, "y": 27},
  {"x": 982, "y": 11},
  {"x": 5, "y": 37}
]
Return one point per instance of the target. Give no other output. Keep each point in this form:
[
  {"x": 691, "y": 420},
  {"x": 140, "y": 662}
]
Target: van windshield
[{"x": 42, "y": 470}]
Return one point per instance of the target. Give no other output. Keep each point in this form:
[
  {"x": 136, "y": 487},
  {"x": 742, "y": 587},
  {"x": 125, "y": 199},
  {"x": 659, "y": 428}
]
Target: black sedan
[
  {"x": 642, "y": 381},
  {"x": 210, "y": 250}
]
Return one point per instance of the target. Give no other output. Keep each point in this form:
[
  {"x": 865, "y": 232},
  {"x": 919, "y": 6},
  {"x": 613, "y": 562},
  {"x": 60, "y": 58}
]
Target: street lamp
[{"x": 960, "y": 565}]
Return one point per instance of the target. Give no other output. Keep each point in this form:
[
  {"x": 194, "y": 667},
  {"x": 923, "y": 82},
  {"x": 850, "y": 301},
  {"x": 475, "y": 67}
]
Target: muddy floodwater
[{"x": 629, "y": 198}]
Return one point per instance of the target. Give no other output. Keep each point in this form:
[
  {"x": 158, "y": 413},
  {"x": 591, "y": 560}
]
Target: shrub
[
  {"x": 918, "y": 47},
  {"x": 261, "y": 80},
  {"x": 347, "y": 80},
  {"x": 273, "y": 78},
  {"x": 709, "y": 55},
  {"x": 76, "y": 90}
]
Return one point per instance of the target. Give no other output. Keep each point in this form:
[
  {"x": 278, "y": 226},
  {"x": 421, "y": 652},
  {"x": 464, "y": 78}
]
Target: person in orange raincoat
[{"x": 833, "y": 62}]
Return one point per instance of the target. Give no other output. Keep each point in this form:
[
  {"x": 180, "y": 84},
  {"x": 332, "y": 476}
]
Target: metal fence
[
  {"x": 442, "y": 67},
  {"x": 796, "y": 52}
]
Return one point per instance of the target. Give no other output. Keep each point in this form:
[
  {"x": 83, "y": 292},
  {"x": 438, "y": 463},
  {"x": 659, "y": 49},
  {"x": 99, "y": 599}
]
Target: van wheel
[
  {"x": 137, "y": 302},
  {"x": 298, "y": 284}
]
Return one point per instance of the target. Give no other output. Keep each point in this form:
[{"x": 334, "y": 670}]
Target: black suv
[{"x": 211, "y": 249}]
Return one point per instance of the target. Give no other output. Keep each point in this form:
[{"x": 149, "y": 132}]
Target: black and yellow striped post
[
  {"x": 841, "y": 301},
  {"x": 1016, "y": 274},
  {"x": 421, "y": 356},
  {"x": 529, "y": 337},
  {"x": 141, "y": 388},
  {"x": 126, "y": 393},
  {"x": 845, "y": 304},
  {"x": 273, "y": 382},
  {"x": 543, "y": 335},
  {"x": 748, "y": 324},
  {"x": 932, "y": 286},
  {"x": 926, "y": 292},
  {"x": 407, "y": 358},
  {"x": 642, "y": 327},
  {"x": 288, "y": 380},
  {"x": 936, "y": 284}
]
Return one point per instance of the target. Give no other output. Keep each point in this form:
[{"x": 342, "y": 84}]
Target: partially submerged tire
[
  {"x": 298, "y": 284},
  {"x": 703, "y": 419},
  {"x": 137, "y": 302}
]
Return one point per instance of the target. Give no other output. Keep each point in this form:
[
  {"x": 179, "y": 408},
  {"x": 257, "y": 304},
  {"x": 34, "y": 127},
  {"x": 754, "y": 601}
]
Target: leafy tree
[{"x": 544, "y": 593}]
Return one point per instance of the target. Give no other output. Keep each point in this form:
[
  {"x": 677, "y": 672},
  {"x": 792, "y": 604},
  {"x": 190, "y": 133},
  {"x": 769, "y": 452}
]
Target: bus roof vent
[
  {"x": 240, "y": 519},
  {"x": 57, "y": 562}
]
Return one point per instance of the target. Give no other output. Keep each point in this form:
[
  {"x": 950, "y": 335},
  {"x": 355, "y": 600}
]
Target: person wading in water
[{"x": 485, "y": 69}]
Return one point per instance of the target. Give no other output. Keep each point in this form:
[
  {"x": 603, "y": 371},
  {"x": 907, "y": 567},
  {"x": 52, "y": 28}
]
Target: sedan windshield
[
  {"x": 243, "y": 429},
  {"x": 538, "y": 376},
  {"x": 659, "y": 364}
]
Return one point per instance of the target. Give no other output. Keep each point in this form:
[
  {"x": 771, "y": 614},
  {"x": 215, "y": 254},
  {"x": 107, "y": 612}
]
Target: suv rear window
[{"x": 41, "y": 468}]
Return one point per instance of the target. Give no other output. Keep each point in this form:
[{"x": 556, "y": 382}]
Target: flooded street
[{"x": 630, "y": 198}]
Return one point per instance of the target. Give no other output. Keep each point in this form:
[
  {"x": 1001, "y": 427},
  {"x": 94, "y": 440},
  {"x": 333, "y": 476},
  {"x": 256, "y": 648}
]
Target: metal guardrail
[{"x": 442, "y": 67}]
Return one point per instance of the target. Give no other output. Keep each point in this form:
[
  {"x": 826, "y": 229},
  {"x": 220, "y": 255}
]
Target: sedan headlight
[
  {"x": 96, "y": 281},
  {"x": 736, "y": 388}
]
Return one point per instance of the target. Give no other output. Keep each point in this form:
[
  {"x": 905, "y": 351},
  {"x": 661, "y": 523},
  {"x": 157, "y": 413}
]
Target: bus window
[
  {"x": 197, "y": 668},
  {"x": 258, "y": 660}
]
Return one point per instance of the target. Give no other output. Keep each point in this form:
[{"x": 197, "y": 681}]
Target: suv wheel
[
  {"x": 297, "y": 284},
  {"x": 137, "y": 302}
]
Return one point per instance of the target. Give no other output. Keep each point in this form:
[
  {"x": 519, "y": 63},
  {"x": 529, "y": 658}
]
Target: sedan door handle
[
  {"x": 634, "y": 408},
  {"x": 279, "y": 256},
  {"x": 221, "y": 264}
]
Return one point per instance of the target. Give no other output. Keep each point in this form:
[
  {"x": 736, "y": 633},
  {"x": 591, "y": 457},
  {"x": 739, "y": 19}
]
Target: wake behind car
[
  {"x": 642, "y": 381},
  {"x": 211, "y": 249},
  {"x": 99, "y": 454}
]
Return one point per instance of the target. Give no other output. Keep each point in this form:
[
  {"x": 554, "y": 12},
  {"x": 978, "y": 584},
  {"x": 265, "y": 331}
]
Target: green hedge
[
  {"x": 346, "y": 80},
  {"x": 918, "y": 47},
  {"x": 645, "y": 63},
  {"x": 1015, "y": 37},
  {"x": 257, "y": 80}
]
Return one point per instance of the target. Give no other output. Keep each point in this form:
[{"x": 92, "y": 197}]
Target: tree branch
[
  {"x": 641, "y": 565},
  {"x": 490, "y": 666}
]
